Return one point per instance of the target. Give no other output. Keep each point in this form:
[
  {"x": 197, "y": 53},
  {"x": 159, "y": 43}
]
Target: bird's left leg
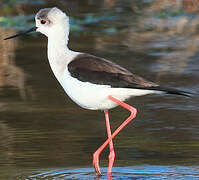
[
  {"x": 133, "y": 112},
  {"x": 111, "y": 148}
]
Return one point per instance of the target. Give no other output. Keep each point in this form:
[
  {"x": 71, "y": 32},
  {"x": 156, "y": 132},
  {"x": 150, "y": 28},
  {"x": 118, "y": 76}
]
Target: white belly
[{"x": 95, "y": 97}]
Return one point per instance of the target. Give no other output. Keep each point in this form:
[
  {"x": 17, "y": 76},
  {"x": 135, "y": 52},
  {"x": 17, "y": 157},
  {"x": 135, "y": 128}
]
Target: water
[
  {"x": 136, "y": 172},
  {"x": 44, "y": 135}
]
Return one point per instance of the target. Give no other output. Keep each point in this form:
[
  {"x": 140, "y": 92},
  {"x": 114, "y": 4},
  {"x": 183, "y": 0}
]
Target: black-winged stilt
[{"x": 93, "y": 83}]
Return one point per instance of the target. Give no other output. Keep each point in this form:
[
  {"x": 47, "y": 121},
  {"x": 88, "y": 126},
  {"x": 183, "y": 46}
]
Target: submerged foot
[{"x": 96, "y": 163}]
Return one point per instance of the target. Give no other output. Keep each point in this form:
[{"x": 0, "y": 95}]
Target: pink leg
[
  {"x": 133, "y": 112},
  {"x": 112, "y": 152}
]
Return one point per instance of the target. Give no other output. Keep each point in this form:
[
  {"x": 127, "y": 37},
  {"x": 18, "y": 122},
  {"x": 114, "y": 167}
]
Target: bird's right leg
[{"x": 133, "y": 112}]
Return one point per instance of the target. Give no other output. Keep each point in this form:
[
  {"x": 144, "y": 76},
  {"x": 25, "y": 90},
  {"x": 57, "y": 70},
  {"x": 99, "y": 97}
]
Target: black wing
[{"x": 88, "y": 68}]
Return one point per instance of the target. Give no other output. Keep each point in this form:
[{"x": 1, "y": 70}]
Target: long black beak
[{"x": 21, "y": 34}]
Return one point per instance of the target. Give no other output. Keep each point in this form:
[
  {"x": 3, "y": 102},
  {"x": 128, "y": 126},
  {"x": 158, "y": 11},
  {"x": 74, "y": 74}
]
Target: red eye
[{"x": 43, "y": 21}]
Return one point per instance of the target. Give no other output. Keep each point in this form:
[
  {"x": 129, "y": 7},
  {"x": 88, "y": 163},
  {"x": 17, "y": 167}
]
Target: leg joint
[{"x": 132, "y": 110}]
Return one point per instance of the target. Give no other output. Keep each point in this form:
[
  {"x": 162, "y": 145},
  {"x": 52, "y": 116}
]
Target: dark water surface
[{"x": 44, "y": 135}]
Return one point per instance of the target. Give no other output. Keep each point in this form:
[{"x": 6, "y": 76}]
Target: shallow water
[
  {"x": 44, "y": 135},
  {"x": 135, "y": 172}
]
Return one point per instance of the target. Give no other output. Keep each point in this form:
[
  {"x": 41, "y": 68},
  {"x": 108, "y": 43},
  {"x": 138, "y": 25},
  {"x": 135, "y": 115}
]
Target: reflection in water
[
  {"x": 164, "y": 32},
  {"x": 173, "y": 37},
  {"x": 10, "y": 74},
  {"x": 109, "y": 3},
  {"x": 173, "y": 44},
  {"x": 6, "y": 141}
]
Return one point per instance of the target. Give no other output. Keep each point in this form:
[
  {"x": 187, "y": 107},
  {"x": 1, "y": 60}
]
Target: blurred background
[{"x": 41, "y": 128}]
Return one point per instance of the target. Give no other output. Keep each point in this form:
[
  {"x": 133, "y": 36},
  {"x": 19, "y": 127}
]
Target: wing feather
[{"x": 88, "y": 68}]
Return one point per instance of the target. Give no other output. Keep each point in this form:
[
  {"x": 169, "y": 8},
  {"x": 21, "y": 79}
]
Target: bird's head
[{"x": 50, "y": 22}]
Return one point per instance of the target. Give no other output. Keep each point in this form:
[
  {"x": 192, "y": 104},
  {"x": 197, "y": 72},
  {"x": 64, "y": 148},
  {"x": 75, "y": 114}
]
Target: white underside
[{"x": 95, "y": 97}]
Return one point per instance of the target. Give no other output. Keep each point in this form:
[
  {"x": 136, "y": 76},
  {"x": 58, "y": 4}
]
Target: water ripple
[{"x": 135, "y": 172}]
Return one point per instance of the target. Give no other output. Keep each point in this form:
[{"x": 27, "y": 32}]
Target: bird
[{"x": 92, "y": 82}]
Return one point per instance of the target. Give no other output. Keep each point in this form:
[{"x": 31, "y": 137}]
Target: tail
[{"x": 169, "y": 90}]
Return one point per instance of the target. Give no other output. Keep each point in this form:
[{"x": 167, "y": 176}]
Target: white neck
[
  {"x": 59, "y": 55},
  {"x": 59, "y": 34}
]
